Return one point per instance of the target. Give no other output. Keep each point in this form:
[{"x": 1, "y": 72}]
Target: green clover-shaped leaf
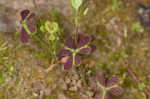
[{"x": 51, "y": 27}]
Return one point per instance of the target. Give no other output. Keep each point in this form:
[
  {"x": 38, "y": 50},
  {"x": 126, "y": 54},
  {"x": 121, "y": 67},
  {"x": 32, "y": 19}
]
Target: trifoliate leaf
[{"x": 51, "y": 27}]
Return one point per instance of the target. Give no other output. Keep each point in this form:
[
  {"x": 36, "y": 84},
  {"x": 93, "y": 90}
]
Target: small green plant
[
  {"x": 136, "y": 27},
  {"x": 51, "y": 28},
  {"x": 116, "y": 4},
  {"x": 52, "y": 31},
  {"x": 10, "y": 71}
]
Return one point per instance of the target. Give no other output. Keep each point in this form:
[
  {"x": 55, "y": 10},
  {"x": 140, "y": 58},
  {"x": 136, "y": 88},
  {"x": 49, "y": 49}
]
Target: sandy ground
[{"x": 10, "y": 16}]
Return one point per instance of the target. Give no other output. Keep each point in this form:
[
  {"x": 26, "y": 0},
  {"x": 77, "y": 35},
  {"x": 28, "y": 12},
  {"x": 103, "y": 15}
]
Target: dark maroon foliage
[
  {"x": 26, "y": 16},
  {"x": 106, "y": 83},
  {"x": 82, "y": 41},
  {"x": 24, "y": 36}
]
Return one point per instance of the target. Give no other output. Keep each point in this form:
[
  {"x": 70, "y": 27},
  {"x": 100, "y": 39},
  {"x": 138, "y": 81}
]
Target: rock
[{"x": 144, "y": 15}]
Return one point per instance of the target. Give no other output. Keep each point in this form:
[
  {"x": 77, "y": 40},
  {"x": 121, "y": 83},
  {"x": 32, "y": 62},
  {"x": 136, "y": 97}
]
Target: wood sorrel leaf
[
  {"x": 24, "y": 36},
  {"x": 76, "y": 4},
  {"x": 51, "y": 27},
  {"x": 47, "y": 24}
]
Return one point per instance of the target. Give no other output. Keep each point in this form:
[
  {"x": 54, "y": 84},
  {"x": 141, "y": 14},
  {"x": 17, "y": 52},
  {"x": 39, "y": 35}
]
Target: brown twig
[
  {"x": 133, "y": 75},
  {"x": 52, "y": 65},
  {"x": 146, "y": 90}
]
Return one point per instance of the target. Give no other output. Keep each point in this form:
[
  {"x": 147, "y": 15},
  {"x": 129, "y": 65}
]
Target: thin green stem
[
  {"x": 103, "y": 95},
  {"x": 76, "y": 27},
  {"x": 73, "y": 56}
]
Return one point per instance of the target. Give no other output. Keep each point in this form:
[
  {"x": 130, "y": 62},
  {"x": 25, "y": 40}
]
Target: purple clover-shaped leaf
[
  {"x": 115, "y": 91},
  {"x": 31, "y": 16},
  {"x": 63, "y": 52},
  {"x": 74, "y": 51},
  {"x": 102, "y": 79},
  {"x": 24, "y": 37},
  {"x": 24, "y": 14},
  {"x": 111, "y": 81},
  {"x": 84, "y": 51},
  {"x": 106, "y": 86},
  {"x": 83, "y": 40},
  {"x": 27, "y": 29},
  {"x": 69, "y": 43}
]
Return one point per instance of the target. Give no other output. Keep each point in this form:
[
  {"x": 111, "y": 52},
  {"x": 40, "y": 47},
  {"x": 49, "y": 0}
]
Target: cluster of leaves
[
  {"x": 74, "y": 47},
  {"x": 49, "y": 29}
]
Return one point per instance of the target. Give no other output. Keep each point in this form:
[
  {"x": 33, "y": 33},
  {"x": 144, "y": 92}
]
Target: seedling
[
  {"x": 136, "y": 27},
  {"x": 116, "y": 4},
  {"x": 51, "y": 28}
]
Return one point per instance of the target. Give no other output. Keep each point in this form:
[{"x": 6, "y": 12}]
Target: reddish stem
[{"x": 147, "y": 91}]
